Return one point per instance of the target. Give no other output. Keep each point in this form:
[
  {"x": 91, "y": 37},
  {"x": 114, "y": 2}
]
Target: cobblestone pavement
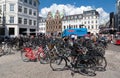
[{"x": 11, "y": 66}]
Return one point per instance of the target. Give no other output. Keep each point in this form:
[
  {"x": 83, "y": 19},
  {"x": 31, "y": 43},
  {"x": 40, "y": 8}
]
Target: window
[
  {"x": 96, "y": 27},
  {"x": 71, "y": 17},
  {"x": 75, "y": 17},
  {"x": 118, "y": 17},
  {"x": 119, "y": 22},
  {"x": 88, "y": 27},
  {"x": 88, "y": 17},
  {"x": 34, "y": 3},
  {"x": 19, "y": 8},
  {"x": 92, "y": 27},
  {"x": 11, "y": 19},
  {"x": 25, "y": 21},
  {"x": 30, "y": 22},
  {"x": 88, "y": 22},
  {"x": 25, "y": 1},
  {"x": 96, "y": 16},
  {"x": 25, "y": 10},
  {"x": 92, "y": 22},
  {"x": 20, "y": 20},
  {"x": 11, "y": 31},
  {"x": 34, "y": 22},
  {"x": 34, "y": 13},
  {"x": 4, "y": 7},
  {"x": 30, "y": 2},
  {"x": 11, "y": 7},
  {"x": 59, "y": 26},
  {"x": 68, "y": 18},
  {"x": 30, "y": 11},
  {"x": 64, "y": 27},
  {"x": 96, "y": 21}
]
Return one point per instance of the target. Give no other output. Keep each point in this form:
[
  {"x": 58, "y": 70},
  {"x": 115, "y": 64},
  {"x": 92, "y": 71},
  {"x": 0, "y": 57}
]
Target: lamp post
[{"x": 4, "y": 19}]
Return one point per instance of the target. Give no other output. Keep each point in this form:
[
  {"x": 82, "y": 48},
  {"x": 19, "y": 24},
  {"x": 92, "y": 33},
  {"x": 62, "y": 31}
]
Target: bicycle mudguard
[{"x": 27, "y": 49}]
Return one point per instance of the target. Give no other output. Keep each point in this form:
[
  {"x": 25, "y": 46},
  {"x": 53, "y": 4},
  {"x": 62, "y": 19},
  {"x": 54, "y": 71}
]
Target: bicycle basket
[{"x": 50, "y": 46}]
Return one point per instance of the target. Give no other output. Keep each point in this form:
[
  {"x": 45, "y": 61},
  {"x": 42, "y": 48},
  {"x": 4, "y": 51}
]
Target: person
[
  {"x": 74, "y": 50},
  {"x": 21, "y": 42},
  {"x": 65, "y": 41},
  {"x": 93, "y": 37}
]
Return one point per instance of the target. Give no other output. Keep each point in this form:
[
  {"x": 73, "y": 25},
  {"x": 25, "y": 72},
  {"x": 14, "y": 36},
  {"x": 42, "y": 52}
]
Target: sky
[{"x": 70, "y": 7}]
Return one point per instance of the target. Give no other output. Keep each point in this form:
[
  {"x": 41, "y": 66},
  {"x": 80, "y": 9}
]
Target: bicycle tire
[
  {"x": 23, "y": 57},
  {"x": 101, "y": 63},
  {"x": 1, "y": 51},
  {"x": 45, "y": 59},
  {"x": 101, "y": 50},
  {"x": 6, "y": 49},
  {"x": 58, "y": 63},
  {"x": 89, "y": 68}
]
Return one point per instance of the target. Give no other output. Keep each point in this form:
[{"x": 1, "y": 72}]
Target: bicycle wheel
[
  {"x": 44, "y": 58},
  {"x": 1, "y": 51},
  {"x": 58, "y": 63},
  {"x": 14, "y": 48},
  {"x": 23, "y": 57},
  {"x": 8, "y": 50},
  {"x": 88, "y": 68},
  {"x": 100, "y": 50},
  {"x": 101, "y": 63}
]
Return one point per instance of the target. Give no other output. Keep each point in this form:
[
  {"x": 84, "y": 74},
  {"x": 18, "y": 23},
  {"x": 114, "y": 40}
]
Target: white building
[
  {"x": 89, "y": 20},
  {"x": 72, "y": 21},
  {"x": 42, "y": 25},
  {"x": 18, "y": 17}
]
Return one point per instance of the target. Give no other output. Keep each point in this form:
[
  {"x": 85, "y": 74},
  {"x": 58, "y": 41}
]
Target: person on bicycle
[
  {"x": 74, "y": 49},
  {"x": 65, "y": 41}
]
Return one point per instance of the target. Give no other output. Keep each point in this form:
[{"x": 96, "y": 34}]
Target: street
[{"x": 11, "y": 66}]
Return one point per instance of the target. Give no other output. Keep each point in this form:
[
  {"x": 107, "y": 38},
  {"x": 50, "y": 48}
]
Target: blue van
[{"x": 74, "y": 31}]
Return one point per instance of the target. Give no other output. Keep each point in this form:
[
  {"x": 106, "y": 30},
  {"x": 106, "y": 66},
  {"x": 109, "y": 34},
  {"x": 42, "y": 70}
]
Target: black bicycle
[{"x": 84, "y": 64}]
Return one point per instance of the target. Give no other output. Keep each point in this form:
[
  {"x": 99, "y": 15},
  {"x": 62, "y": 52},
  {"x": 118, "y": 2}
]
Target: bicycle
[
  {"x": 5, "y": 49},
  {"x": 27, "y": 54},
  {"x": 83, "y": 63},
  {"x": 98, "y": 58}
]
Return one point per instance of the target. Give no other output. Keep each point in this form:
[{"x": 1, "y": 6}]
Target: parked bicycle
[
  {"x": 84, "y": 64},
  {"x": 28, "y": 54},
  {"x": 5, "y": 49}
]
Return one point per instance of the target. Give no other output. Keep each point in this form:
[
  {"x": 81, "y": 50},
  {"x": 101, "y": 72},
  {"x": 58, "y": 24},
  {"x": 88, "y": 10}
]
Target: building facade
[
  {"x": 18, "y": 17},
  {"x": 118, "y": 14},
  {"x": 42, "y": 25},
  {"x": 53, "y": 24},
  {"x": 89, "y": 20},
  {"x": 72, "y": 21},
  {"x": 57, "y": 24}
]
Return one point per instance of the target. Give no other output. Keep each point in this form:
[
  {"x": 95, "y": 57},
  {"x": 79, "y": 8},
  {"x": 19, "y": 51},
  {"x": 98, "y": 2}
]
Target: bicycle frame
[{"x": 31, "y": 55}]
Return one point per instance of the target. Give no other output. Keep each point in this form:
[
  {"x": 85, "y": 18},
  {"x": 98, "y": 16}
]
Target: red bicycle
[{"x": 28, "y": 54}]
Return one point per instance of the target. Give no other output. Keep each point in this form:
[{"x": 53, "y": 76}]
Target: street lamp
[{"x": 4, "y": 19}]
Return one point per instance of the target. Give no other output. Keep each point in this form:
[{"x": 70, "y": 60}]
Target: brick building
[{"x": 53, "y": 24}]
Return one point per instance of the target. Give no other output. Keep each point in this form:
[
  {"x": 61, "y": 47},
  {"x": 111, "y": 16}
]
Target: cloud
[
  {"x": 104, "y": 16},
  {"x": 72, "y": 9}
]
